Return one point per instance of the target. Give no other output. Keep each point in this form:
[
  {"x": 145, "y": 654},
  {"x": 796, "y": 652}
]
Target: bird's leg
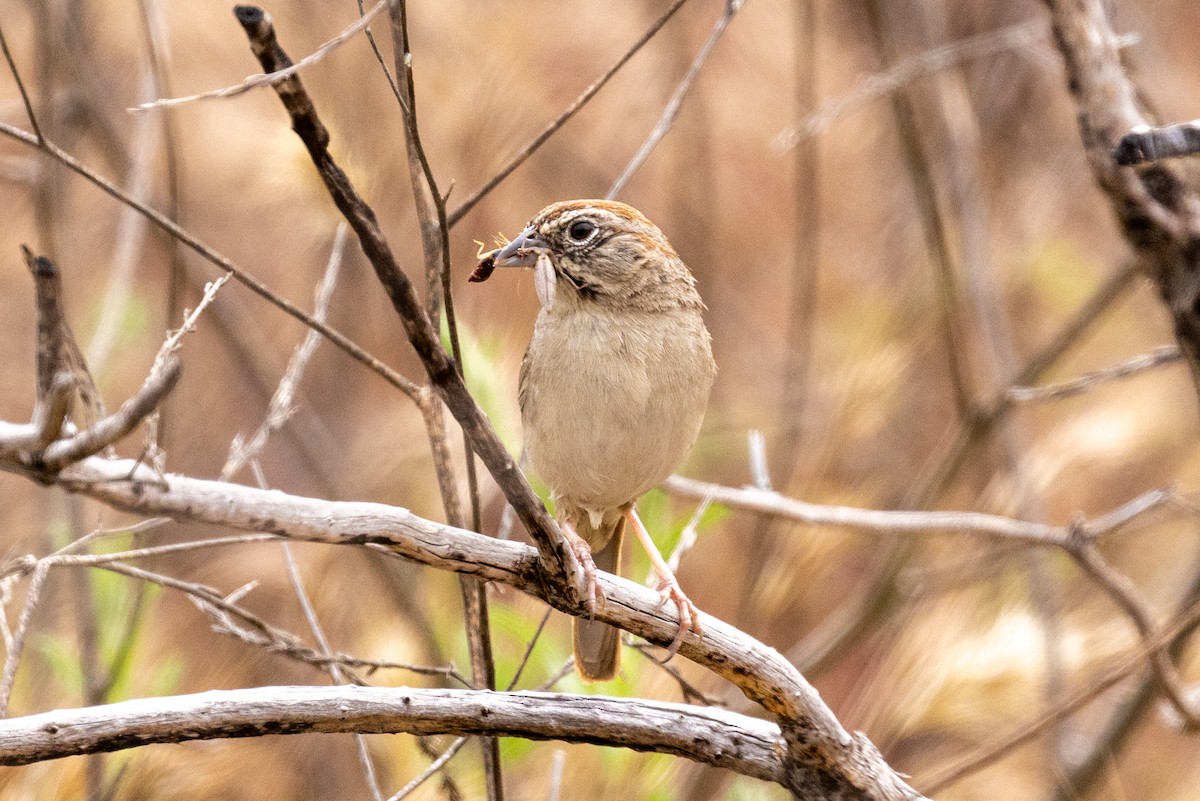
[
  {"x": 668, "y": 586},
  {"x": 592, "y": 596}
]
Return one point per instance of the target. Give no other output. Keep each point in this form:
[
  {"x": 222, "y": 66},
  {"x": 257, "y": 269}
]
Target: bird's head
[{"x": 598, "y": 251}]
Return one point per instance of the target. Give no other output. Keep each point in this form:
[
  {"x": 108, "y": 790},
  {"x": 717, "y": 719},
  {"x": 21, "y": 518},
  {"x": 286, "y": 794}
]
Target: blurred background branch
[{"x": 895, "y": 302}]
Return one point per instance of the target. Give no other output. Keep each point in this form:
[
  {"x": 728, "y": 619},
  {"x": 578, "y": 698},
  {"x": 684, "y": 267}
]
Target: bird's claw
[
  {"x": 689, "y": 613},
  {"x": 593, "y": 596}
]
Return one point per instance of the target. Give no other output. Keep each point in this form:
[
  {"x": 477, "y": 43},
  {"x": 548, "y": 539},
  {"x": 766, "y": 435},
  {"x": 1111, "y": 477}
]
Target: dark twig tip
[
  {"x": 1129, "y": 151},
  {"x": 43, "y": 267},
  {"x": 38, "y": 265},
  {"x": 249, "y": 15}
]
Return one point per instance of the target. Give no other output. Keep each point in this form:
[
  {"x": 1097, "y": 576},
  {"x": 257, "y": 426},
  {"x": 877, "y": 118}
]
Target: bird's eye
[{"x": 581, "y": 230}]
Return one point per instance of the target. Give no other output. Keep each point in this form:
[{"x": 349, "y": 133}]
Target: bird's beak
[{"x": 521, "y": 252}]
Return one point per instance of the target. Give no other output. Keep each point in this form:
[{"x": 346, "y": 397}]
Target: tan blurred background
[{"x": 852, "y": 347}]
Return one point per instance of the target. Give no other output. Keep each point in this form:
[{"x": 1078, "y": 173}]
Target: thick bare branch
[
  {"x": 822, "y": 751},
  {"x": 747, "y": 745}
]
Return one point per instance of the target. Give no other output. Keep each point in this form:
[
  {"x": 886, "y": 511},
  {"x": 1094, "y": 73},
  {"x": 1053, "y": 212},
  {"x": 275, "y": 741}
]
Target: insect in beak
[{"x": 521, "y": 252}]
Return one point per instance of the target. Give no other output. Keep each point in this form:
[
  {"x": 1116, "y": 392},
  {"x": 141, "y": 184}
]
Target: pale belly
[{"x": 611, "y": 414}]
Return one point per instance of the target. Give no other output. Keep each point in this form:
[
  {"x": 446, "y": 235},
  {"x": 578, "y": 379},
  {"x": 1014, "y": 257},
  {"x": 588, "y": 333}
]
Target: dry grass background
[{"x": 958, "y": 655}]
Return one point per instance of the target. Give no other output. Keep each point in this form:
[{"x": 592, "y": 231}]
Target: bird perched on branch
[{"x": 613, "y": 386}]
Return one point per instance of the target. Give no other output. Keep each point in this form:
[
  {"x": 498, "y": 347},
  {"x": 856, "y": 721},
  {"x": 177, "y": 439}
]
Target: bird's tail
[{"x": 597, "y": 645}]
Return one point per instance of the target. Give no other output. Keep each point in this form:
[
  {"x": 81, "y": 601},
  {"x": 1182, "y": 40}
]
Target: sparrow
[{"x": 612, "y": 390}]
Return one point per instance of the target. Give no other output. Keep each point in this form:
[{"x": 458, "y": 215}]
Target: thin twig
[
  {"x": 537, "y": 633},
  {"x": 387, "y": 74},
  {"x": 13, "y": 658},
  {"x": 554, "y": 678},
  {"x": 557, "y": 762},
  {"x": 689, "y": 535},
  {"x": 335, "y": 671},
  {"x": 671, "y": 110},
  {"x": 1163, "y": 355},
  {"x": 1014, "y": 37},
  {"x": 540, "y": 138},
  {"x": 433, "y": 768},
  {"x": 691, "y": 693},
  {"x": 282, "y": 403},
  {"x": 756, "y": 447},
  {"x": 999, "y": 526},
  {"x": 355, "y": 351},
  {"x": 66, "y": 558},
  {"x": 255, "y": 81},
  {"x": 12, "y": 67}
]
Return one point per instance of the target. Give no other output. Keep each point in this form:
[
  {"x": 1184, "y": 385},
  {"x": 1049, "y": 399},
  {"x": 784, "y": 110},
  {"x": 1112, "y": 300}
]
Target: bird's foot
[
  {"x": 689, "y": 613},
  {"x": 593, "y": 597},
  {"x": 668, "y": 587}
]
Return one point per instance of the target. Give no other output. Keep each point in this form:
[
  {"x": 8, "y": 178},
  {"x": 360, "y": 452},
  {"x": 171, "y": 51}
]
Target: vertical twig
[
  {"x": 434, "y": 767},
  {"x": 435, "y": 241},
  {"x": 153, "y": 25},
  {"x": 806, "y": 249},
  {"x": 282, "y": 403},
  {"x": 12, "y": 659},
  {"x": 951, "y": 126},
  {"x": 130, "y": 234},
  {"x": 802, "y": 308}
]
